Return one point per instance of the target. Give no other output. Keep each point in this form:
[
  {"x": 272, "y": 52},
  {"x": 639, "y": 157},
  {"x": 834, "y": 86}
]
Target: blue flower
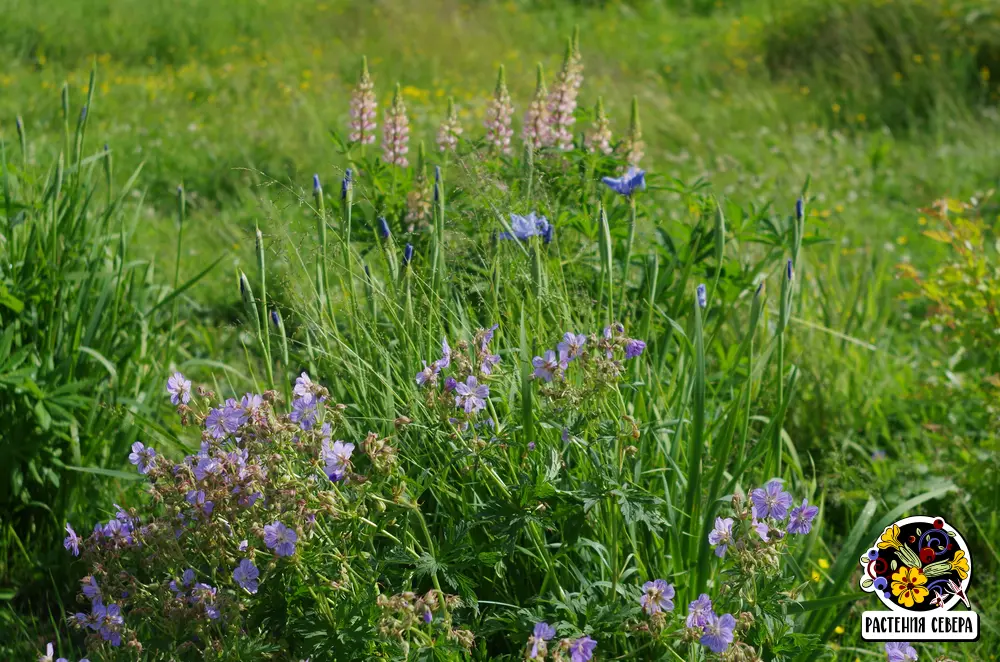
[
  {"x": 525, "y": 227},
  {"x": 142, "y": 457},
  {"x": 801, "y": 518},
  {"x": 771, "y": 500},
  {"x": 582, "y": 649},
  {"x": 718, "y": 632},
  {"x": 383, "y": 227},
  {"x": 280, "y": 538},
  {"x": 634, "y": 348},
  {"x": 407, "y": 254},
  {"x": 627, "y": 183},
  {"x": 471, "y": 395},
  {"x": 698, "y": 611},
  {"x": 179, "y": 389},
  {"x": 543, "y": 632},
  {"x": 701, "y": 295},
  {"x": 72, "y": 542},
  {"x": 246, "y": 574},
  {"x": 657, "y": 596},
  {"x": 721, "y": 535}
]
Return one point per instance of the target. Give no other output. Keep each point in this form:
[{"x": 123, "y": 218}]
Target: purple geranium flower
[
  {"x": 471, "y": 395},
  {"x": 427, "y": 375},
  {"x": 489, "y": 360},
  {"x": 634, "y": 348},
  {"x": 72, "y": 541},
  {"x": 304, "y": 412},
  {"x": 142, "y": 457},
  {"x": 246, "y": 574},
  {"x": 761, "y": 528},
  {"x": 721, "y": 536},
  {"x": 657, "y": 596},
  {"x": 698, "y": 611},
  {"x": 280, "y": 538},
  {"x": 90, "y": 588},
  {"x": 900, "y": 651},
  {"x": 771, "y": 500},
  {"x": 179, "y": 389},
  {"x": 628, "y": 183},
  {"x": 802, "y": 517},
  {"x": 582, "y": 649},
  {"x": 445, "y": 359},
  {"x": 336, "y": 458},
  {"x": 450, "y": 383},
  {"x": 571, "y": 345},
  {"x": 543, "y": 632},
  {"x": 546, "y": 367},
  {"x": 206, "y": 466},
  {"x": 718, "y": 632}
]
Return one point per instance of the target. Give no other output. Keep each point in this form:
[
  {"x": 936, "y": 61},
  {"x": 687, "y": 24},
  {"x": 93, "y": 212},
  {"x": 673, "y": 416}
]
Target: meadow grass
[{"x": 236, "y": 101}]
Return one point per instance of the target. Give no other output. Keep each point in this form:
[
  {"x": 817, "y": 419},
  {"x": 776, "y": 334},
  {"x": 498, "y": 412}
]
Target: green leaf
[{"x": 112, "y": 473}]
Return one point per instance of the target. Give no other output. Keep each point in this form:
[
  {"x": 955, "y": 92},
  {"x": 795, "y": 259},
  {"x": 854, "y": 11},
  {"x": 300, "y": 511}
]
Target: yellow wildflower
[
  {"x": 889, "y": 538},
  {"x": 908, "y": 586}
]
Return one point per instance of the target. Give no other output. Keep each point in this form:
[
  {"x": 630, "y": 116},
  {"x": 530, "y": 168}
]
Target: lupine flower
[
  {"x": 407, "y": 254},
  {"x": 718, "y": 632},
  {"x": 634, "y": 348},
  {"x": 383, "y": 227},
  {"x": 471, "y": 395},
  {"x": 450, "y": 129},
  {"x": 363, "y": 108},
  {"x": 336, "y": 458},
  {"x": 546, "y": 367},
  {"x": 599, "y": 137},
  {"x": 179, "y": 389},
  {"x": 532, "y": 225},
  {"x": 721, "y": 536},
  {"x": 142, "y": 457},
  {"x": 900, "y": 651},
  {"x": 535, "y": 129},
  {"x": 543, "y": 632},
  {"x": 280, "y": 538},
  {"x": 627, "y": 184},
  {"x": 562, "y": 101},
  {"x": 572, "y": 345},
  {"x": 582, "y": 649},
  {"x": 771, "y": 500},
  {"x": 632, "y": 147},
  {"x": 698, "y": 611},
  {"x": 245, "y": 575},
  {"x": 498, "y": 117},
  {"x": 426, "y": 376},
  {"x": 396, "y": 132},
  {"x": 801, "y": 518},
  {"x": 657, "y": 596},
  {"x": 701, "y": 295},
  {"x": 72, "y": 541}
]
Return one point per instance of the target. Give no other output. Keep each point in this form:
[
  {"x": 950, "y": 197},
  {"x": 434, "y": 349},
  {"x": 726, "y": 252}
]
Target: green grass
[{"x": 236, "y": 101}]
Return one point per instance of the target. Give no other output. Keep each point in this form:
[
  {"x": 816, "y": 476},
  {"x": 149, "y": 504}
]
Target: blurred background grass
[{"x": 886, "y": 105}]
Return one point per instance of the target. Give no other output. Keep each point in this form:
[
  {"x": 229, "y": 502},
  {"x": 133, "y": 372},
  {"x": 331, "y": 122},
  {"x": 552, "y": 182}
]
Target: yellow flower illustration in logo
[
  {"x": 889, "y": 538},
  {"x": 908, "y": 586},
  {"x": 960, "y": 564}
]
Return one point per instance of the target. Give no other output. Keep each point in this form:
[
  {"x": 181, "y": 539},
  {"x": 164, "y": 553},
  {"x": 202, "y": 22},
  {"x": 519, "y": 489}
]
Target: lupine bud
[
  {"x": 632, "y": 147},
  {"x": 275, "y": 318},
  {"x": 396, "y": 132},
  {"x": 316, "y": 186},
  {"x": 498, "y": 117},
  {"x": 789, "y": 272},
  {"x": 535, "y": 130},
  {"x": 407, "y": 254},
  {"x": 345, "y": 184},
  {"x": 702, "y": 295},
  {"x": 599, "y": 138},
  {"x": 363, "y": 108},
  {"x": 383, "y": 227},
  {"x": 450, "y": 129},
  {"x": 562, "y": 101},
  {"x": 800, "y": 209}
]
